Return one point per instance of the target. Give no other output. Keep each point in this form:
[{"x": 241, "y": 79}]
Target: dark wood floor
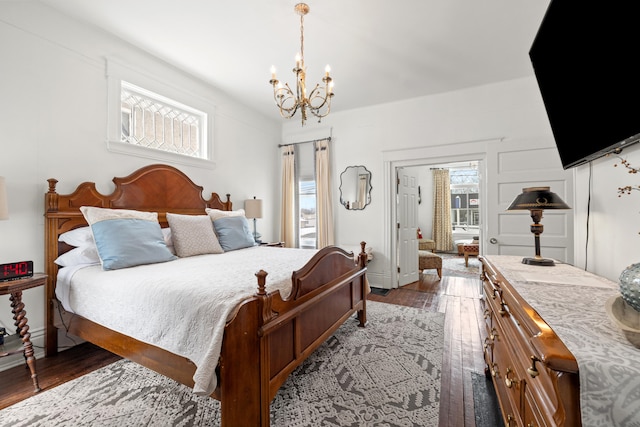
[{"x": 458, "y": 297}]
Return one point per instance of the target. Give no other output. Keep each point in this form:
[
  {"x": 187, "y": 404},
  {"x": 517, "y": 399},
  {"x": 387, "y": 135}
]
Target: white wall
[
  {"x": 511, "y": 110},
  {"x": 608, "y": 231},
  {"x": 53, "y": 125}
]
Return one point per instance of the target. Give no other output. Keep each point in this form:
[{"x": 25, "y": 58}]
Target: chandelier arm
[{"x": 281, "y": 96}]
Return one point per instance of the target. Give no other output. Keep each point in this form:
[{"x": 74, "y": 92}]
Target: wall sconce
[
  {"x": 4, "y": 207},
  {"x": 535, "y": 200},
  {"x": 253, "y": 209}
]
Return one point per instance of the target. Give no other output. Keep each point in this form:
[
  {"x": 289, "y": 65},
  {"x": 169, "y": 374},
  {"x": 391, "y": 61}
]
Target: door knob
[{"x": 493, "y": 240}]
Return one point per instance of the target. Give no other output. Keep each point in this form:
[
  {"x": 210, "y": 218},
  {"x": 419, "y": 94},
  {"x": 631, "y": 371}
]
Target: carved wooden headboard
[{"x": 153, "y": 188}]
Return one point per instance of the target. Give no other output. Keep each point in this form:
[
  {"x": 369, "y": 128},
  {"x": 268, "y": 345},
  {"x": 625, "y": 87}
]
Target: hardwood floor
[{"x": 458, "y": 297}]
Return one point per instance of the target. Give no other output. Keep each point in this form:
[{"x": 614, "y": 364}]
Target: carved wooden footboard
[{"x": 266, "y": 339}]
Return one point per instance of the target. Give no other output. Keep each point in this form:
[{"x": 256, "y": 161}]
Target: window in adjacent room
[
  {"x": 153, "y": 121},
  {"x": 465, "y": 183}
]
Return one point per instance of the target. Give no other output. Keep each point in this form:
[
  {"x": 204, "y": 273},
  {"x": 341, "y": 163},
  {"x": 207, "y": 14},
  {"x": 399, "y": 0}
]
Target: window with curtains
[{"x": 307, "y": 210}]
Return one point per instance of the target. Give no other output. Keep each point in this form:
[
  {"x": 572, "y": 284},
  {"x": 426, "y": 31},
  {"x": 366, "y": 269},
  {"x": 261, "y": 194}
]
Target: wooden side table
[
  {"x": 14, "y": 288},
  {"x": 470, "y": 249}
]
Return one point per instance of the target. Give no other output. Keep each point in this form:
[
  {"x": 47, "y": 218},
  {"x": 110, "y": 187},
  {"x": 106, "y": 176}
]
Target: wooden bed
[{"x": 267, "y": 338}]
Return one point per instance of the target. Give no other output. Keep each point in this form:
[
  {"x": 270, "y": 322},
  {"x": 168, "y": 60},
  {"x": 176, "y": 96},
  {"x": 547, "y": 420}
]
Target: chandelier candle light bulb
[{"x": 318, "y": 102}]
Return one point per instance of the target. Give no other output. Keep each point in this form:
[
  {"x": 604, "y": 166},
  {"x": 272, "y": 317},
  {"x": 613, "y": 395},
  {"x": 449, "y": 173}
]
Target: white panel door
[
  {"x": 510, "y": 168},
  {"x": 407, "y": 226}
]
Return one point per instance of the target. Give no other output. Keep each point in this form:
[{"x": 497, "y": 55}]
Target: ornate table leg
[{"x": 20, "y": 319}]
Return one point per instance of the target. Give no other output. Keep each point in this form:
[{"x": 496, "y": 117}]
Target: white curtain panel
[
  {"x": 288, "y": 219},
  {"x": 324, "y": 206}
]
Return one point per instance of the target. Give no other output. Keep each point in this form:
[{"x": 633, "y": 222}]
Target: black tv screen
[{"x": 583, "y": 57}]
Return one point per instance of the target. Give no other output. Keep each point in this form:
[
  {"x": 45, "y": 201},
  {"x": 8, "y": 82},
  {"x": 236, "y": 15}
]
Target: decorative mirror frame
[{"x": 355, "y": 188}]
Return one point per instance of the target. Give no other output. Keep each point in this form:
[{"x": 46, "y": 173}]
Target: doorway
[
  {"x": 464, "y": 222},
  {"x": 505, "y": 167}
]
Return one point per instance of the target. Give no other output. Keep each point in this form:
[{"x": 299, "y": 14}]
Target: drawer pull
[
  {"x": 509, "y": 382},
  {"x": 532, "y": 370},
  {"x": 487, "y": 313},
  {"x": 488, "y": 343},
  {"x": 494, "y": 370},
  {"x": 494, "y": 334},
  {"x": 531, "y": 425},
  {"x": 503, "y": 309},
  {"x": 509, "y": 419}
]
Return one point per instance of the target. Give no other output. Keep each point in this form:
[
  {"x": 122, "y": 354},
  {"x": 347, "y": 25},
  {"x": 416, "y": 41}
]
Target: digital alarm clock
[{"x": 16, "y": 270}]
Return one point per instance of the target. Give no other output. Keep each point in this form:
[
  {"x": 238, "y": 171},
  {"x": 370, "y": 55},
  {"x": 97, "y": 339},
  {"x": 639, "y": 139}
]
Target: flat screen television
[{"x": 583, "y": 57}]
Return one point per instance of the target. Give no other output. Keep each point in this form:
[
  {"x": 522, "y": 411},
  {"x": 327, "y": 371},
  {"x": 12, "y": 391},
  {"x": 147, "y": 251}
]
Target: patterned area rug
[
  {"x": 453, "y": 265},
  {"x": 387, "y": 373}
]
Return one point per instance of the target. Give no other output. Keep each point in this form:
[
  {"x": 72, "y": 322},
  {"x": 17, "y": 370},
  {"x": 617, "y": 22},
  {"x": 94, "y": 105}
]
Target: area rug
[
  {"x": 453, "y": 265},
  {"x": 485, "y": 402},
  {"x": 387, "y": 373}
]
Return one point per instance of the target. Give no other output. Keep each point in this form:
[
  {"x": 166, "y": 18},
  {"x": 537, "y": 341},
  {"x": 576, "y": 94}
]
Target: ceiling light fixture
[{"x": 319, "y": 100}]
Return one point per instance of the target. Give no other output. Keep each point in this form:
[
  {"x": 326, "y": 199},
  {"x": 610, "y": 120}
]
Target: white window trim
[{"x": 116, "y": 72}]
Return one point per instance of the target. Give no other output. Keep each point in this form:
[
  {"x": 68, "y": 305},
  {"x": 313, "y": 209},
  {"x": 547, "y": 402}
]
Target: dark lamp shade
[{"x": 537, "y": 198}]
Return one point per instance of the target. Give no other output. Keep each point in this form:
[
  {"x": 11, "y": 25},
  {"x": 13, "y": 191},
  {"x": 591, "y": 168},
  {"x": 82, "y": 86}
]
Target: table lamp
[
  {"x": 535, "y": 200},
  {"x": 4, "y": 207},
  {"x": 253, "y": 209}
]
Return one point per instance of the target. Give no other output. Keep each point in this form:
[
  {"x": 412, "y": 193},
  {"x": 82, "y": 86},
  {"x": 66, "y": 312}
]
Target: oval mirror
[{"x": 355, "y": 187}]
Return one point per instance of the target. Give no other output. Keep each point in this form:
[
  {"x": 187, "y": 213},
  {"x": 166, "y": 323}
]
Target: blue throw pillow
[
  {"x": 126, "y": 238},
  {"x": 233, "y": 233}
]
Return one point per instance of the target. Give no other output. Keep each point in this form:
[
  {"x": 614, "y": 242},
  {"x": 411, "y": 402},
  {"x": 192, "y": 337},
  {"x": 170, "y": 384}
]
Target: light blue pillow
[
  {"x": 233, "y": 233},
  {"x": 127, "y": 238}
]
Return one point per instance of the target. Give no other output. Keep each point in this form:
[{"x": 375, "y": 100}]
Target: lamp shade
[
  {"x": 4, "y": 207},
  {"x": 537, "y": 198},
  {"x": 253, "y": 208}
]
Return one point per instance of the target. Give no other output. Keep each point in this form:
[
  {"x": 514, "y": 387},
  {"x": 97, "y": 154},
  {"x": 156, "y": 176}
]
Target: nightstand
[{"x": 14, "y": 288}]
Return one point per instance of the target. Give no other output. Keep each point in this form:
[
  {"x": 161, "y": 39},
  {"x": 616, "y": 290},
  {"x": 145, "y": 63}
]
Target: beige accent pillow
[
  {"x": 217, "y": 213},
  {"x": 193, "y": 235}
]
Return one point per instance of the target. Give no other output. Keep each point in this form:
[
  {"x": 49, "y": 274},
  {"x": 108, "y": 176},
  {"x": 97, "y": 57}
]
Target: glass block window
[{"x": 153, "y": 121}]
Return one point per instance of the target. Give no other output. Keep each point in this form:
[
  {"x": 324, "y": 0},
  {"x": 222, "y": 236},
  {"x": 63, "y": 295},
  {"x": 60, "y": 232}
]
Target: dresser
[{"x": 554, "y": 356}]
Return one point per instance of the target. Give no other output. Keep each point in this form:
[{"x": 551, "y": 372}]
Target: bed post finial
[
  {"x": 262, "y": 282},
  {"x": 51, "y": 198},
  {"x": 362, "y": 256},
  {"x": 52, "y": 185}
]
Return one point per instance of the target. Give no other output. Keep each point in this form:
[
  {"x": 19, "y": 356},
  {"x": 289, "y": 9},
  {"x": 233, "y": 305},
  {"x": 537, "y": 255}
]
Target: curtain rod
[{"x": 305, "y": 142}]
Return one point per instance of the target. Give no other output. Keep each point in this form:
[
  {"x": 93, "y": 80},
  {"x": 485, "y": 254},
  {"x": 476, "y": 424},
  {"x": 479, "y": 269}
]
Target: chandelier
[{"x": 318, "y": 101}]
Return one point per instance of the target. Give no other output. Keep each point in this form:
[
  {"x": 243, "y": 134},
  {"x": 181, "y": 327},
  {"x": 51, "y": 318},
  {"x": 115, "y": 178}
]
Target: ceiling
[{"x": 379, "y": 51}]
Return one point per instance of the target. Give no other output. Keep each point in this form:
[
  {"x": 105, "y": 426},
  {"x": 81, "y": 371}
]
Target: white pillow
[
  {"x": 77, "y": 237},
  {"x": 193, "y": 235},
  {"x": 77, "y": 256},
  {"x": 217, "y": 213},
  {"x": 166, "y": 233}
]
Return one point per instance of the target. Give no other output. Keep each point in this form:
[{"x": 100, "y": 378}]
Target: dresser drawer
[
  {"x": 535, "y": 377},
  {"x": 503, "y": 373},
  {"x": 531, "y": 415}
]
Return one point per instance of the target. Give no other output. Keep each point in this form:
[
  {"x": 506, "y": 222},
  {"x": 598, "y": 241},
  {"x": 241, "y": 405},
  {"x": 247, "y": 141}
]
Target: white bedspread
[{"x": 182, "y": 305}]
